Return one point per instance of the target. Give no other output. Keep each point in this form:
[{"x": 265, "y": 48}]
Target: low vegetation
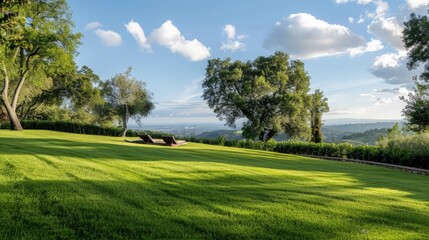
[{"x": 73, "y": 186}]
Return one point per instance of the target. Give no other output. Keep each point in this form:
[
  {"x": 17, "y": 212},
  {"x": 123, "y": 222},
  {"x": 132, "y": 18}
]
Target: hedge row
[
  {"x": 406, "y": 150},
  {"x": 81, "y": 128}
]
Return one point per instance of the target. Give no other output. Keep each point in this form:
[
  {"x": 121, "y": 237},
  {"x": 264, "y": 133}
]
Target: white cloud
[
  {"x": 361, "y": 19},
  {"x": 381, "y": 9},
  {"x": 392, "y": 68},
  {"x": 229, "y": 30},
  {"x": 137, "y": 32},
  {"x": 109, "y": 38},
  {"x": 304, "y": 36},
  {"x": 415, "y": 4},
  {"x": 233, "y": 43},
  {"x": 93, "y": 25},
  {"x": 388, "y": 30},
  {"x": 372, "y": 46},
  {"x": 399, "y": 91},
  {"x": 168, "y": 35},
  {"x": 351, "y": 20}
]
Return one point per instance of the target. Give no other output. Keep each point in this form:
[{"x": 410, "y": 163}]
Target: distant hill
[
  {"x": 359, "y": 127},
  {"x": 367, "y": 137},
  {"x": 228, "y": 134}
]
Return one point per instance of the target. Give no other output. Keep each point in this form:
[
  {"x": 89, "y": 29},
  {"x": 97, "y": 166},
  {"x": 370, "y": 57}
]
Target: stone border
[{"x": 388, "y": 165}]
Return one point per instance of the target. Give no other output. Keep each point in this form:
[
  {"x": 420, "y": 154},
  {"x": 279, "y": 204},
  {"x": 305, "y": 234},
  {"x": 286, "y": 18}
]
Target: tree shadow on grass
[
  {"x": 103, "y": 152},
  {"x": 220, "y": 207}
]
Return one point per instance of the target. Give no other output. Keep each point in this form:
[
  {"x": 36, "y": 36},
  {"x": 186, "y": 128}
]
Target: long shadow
[
  {"x": 372, "y": 176},
  {"x": 221, "y": 207}
]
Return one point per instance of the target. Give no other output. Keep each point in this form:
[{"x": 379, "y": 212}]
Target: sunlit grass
[{"x": 60, "y": 185}]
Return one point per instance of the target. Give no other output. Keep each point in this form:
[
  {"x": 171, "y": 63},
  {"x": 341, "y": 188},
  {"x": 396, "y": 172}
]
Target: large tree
[
  {"x": 75, "y": 92},
  {"x": 319, "y": 105},
  {"x": 125, "y": 97},
  {"x": 270, "y": 93},
  {"x": 36, "y": 42},
  {"x": 416, "y": 40}
]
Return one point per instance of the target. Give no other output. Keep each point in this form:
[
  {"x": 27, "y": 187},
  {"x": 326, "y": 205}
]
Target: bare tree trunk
[
  {"x": 262, "y": 136},
  {"x": 124, "y": 122},
  {"x": 15, "y": 124},
  {"x": 270, "y": 135}
]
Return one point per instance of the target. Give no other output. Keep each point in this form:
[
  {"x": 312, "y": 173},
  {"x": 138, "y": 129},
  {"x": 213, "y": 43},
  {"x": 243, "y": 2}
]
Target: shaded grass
[{"x": 67, "y": 186}]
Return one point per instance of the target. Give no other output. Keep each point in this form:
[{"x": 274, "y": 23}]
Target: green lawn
[{"x": 68, "y": 186}]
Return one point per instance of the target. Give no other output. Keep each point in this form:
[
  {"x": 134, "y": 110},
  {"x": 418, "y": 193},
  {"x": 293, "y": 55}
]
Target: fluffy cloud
[
  {"x": 388, "y": 30},
  {"x": 233, "y": 43},
  {"x": 168, "y": 35},
  {"x": 229, "y": 30},
  {"x": 137, "y": 32},
  {"x": 93, "y": 25},
  {"x": 415, "y": 4},
  {"x": 304, "y": 36},
  {"x": 109, "y": 38},
  {"x": 380, "y": 11},
  {"x": 372, "y": 46},
  {"x": 392, "y": 68}
]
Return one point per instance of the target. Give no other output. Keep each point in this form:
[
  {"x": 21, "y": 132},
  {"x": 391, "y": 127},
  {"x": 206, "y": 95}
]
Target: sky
[{"x": 352, "y": 49}]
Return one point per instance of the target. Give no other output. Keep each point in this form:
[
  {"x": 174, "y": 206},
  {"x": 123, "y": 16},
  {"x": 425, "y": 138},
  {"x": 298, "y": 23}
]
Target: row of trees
[
  {"x": 39, "y": 78},
  {"x": 271, "y": 94}
]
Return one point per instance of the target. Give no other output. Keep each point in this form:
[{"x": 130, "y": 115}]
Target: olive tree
[{"x": 270, "y": 93}]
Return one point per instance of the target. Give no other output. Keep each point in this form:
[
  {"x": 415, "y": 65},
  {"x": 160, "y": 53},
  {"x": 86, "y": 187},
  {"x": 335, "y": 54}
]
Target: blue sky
[{"x": 352, "y": 49}]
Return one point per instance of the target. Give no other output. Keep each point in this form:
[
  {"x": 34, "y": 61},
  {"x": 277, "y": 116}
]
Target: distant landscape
[{"x": 355, "y": 131}]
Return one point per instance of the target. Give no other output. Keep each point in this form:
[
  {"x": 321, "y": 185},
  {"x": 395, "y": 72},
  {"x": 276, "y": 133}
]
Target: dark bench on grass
[
  {"x": 171, "y": 141},
  {"x": 146, "y": 138}
]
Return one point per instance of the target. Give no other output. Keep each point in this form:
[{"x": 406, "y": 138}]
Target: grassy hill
[{"x": 67, "y": 186}]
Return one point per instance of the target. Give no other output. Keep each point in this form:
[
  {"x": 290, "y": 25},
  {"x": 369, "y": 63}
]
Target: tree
[
  {"x": 73, "y": 92},
  {"x": 125, "y": 97},
  {"x": 319, "y": 105},
  {"x": 36, "y": 41},
  {"x": 271, "y": 93},
  {"x": 416, "y": 40}
]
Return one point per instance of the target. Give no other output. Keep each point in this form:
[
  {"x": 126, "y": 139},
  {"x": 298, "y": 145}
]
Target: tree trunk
[
  {"x": 15, "y": 124},
  {"x": 270, "y": 134},
  {"x": 262, "y": 136},
  {"x": 124, "y": 121}
]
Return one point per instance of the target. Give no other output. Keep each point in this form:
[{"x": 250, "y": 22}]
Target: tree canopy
[
  {"x": 125, "y": 97},
  {"x": 269, "y": 93},
  {"x": 416, "y": 40},
  {"x": 319, "y": 105},
  {"x": 37, "y": 43}
]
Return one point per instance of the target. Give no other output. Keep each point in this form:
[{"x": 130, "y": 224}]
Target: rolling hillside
[{"x": 66, "y": 186}]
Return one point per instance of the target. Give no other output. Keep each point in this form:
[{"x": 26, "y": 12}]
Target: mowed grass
[{"x": 66, "y": 186}]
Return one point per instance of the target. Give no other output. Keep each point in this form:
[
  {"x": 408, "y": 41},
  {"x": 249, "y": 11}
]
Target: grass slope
[{"x": 67, "y": 186}]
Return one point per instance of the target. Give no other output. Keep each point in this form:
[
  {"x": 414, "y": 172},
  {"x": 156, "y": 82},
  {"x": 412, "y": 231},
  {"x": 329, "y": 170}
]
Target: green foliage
[
  {"x": 403, "y": 150},
  {"x": 411, "y": 150},
  {"x": 125, "y": 97},
  {"x": 368, "y": 137},
  {"x": 271, "y": 93},
  {"x": 416, "y": 110},
  {"x": 319, "y": 105},
  {"x": 82, "y": 128},
  {"x": 37, "y": 46},
  {"x": 416, "y": 40},
  {"x": 71, "y": 186}
]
